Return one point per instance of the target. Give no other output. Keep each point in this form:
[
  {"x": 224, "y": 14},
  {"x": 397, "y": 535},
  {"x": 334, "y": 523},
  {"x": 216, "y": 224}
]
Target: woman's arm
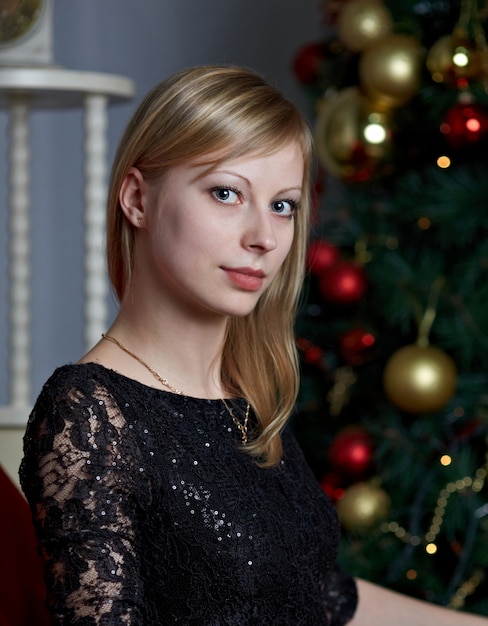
[
  {"x": 77, "y": 476},
  {"x": 381, "y": 607}
]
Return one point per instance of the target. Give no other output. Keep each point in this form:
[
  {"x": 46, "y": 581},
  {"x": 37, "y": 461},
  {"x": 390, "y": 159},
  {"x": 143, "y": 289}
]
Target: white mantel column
[
  {"x": 19, "y": 237},
  {"x": 29, "y": 88},
  {"x": 96, "y": 286}
]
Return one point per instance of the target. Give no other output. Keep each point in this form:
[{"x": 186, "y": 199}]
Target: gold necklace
[
  {"x": 242, "y": 426},
  {"x": 164, "y": 381}
]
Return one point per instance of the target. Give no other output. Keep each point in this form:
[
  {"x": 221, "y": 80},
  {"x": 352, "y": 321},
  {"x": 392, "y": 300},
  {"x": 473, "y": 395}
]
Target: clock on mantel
[{"x": 26, "y": 32}]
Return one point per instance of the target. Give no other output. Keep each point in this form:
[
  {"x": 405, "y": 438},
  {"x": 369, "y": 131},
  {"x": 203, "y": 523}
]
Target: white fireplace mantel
[{"x": 23, "y": 89}]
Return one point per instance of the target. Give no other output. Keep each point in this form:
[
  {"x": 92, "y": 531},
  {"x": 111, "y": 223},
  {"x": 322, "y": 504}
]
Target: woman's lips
[{"x": 245, "y": 277}]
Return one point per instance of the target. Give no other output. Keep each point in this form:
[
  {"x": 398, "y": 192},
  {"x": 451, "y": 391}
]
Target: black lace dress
[{"x": 148, "y": 513}]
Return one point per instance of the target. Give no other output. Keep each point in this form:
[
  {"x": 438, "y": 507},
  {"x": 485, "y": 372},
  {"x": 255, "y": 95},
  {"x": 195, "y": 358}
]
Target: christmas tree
[{"x": 393, "y": 331}]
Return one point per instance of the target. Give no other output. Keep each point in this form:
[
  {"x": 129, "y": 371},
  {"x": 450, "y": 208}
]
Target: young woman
[{"x": 164, "y": 486}]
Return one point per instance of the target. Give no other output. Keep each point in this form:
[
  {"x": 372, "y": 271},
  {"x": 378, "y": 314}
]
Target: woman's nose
[{"x": 260, "y": 233}]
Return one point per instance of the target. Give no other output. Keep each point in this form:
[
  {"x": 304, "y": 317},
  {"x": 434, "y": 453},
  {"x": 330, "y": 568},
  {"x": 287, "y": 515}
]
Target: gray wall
[{"x": 145, "y": 40}]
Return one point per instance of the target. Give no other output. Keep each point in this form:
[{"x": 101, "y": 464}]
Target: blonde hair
[{"x": 231, "y": 111}]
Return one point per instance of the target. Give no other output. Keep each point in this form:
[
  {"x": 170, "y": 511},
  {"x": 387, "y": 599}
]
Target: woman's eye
[
  {"x": 284, "y": 207},
  {"x": 226, "y": 195}
]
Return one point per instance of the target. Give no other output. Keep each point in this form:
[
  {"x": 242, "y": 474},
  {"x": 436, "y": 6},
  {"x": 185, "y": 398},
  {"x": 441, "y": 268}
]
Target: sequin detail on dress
[{"x": 148, "y": 512}]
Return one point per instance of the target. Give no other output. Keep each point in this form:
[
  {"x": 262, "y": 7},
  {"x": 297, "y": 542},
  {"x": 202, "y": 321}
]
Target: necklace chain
[
  {"x": 163, "y": 381},
  {"x": 242, "y": 426}
]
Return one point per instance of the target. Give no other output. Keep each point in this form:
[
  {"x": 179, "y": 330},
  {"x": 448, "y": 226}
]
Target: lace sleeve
[
  {"x": 77, "y": 477},
  {"x": 343, "y": 597}
]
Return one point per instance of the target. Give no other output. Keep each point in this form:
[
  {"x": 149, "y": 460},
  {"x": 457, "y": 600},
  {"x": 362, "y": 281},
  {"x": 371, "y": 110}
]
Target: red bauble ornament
[
  {"x": 344, "y": 283},
  {"x": 318, "y": 189},
  {"x": 473, "y": 427},
  {"x": 465, "y": 124},
  {"x": 308, "y": 62},
  {"x": 351, "y": 453},
  {"x": 331, "y": 484},
  {"x": 331, "y": 9},
  {"x": 314, "y": 355},
  {"x": 321, "y": 256},
  {"x": 356, "y": 346}
]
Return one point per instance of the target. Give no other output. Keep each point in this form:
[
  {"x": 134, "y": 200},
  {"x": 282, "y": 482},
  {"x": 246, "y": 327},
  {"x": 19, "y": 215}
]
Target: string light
[
  {"x": 475, "y": 483},
  {"x": 461, "y": 55},
  {"x": 443, "y": 162},
  {"x": 466, "y": 589},
  {"x": 424, "y": 223}
]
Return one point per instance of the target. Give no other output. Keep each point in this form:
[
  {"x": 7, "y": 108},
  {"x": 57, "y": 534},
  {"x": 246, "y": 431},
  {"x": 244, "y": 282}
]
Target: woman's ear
[{"x": 132, "y": 197}]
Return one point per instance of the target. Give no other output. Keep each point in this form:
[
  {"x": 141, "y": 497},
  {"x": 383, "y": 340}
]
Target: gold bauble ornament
[
  {"x": 362, "y": 506},
  {"x": 363, "y": 22},
  {"x": 439, "y": 59},
  {"x": 420, "y": 379},
  {"x": 390, "y": 70},
  {"x": 454, "y": 57},
  {"x": 353, "y": 140}
]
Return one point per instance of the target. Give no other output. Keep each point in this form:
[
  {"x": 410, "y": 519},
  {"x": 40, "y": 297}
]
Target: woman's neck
[{"x": 183, "y": 348}]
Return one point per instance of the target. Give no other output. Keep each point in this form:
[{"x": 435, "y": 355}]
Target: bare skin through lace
[{"x": 142, "y": 498}]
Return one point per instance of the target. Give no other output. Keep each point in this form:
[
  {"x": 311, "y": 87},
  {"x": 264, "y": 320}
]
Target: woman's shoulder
[
  {"x": 66, "y": 381},
  {"x": 89, "y": 388},
  {"x": 81, "y": 378},
  {"x": 69, "y": 374},
  {"x": 71, "y": 388}
]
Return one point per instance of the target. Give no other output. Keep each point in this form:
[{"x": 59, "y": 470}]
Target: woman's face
[{"x": 214, "y": 239}]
